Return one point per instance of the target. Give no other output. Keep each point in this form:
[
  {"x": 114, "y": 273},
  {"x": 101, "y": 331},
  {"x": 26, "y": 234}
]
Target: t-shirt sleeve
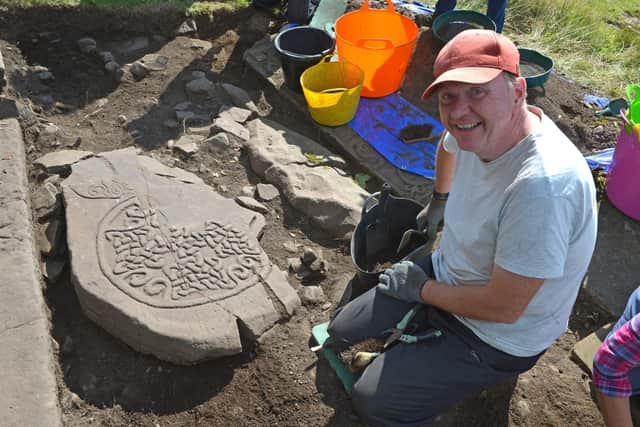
[
  {"x": 616, "y": 357},
  {"x": 534, "y": 233}
]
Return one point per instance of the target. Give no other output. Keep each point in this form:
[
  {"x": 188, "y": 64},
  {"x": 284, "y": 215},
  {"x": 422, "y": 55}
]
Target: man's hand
[
  {"x": 432, "y": 216},
  {"x": 404, "y": 281}
]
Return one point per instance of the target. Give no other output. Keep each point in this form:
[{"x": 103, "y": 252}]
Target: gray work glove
[
  {"x": 403, "y": 281},
  {"x": 432, "y": 216}
]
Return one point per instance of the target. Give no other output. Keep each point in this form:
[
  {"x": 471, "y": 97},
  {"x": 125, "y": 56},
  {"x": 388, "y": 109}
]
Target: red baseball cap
[{"x": 476, "y": 57}]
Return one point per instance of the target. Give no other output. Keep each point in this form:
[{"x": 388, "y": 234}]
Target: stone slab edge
[
  {"x": 29, "y": 394},
  {"x": 586, "y": 348},
  {"x": 262, "y": 58}
]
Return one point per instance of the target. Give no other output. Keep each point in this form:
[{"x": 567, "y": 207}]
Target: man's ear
[{"x": 521, "y": 88}]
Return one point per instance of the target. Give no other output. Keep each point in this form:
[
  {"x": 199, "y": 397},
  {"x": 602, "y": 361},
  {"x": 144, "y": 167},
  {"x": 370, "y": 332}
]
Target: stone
[
  {"x": 267, "y": 192},
  {"x": 170, "y": 123},
  {"x": 106, "y": 56},
  {"x": 183, "y": 106},
  {"x": 58, "y": 162},
  {"x": 290, "y": 247},
  {"x": 155, "y": 62},
  {"x": 186, "y": 27},
  {"x": 197, "y": 74},
  {"x": 251, "y": 203},
  {"x": 171, "y": 268},
  {"x": 219, "y": 142},
  {"x": 585, "y": 349},
  {"x": 87, "y": 45},
  {"x": 522, "y": 408},
  {"x": 312, "y": 295},
  {"x": 185, "y": 115},
  {"x": 239, "y": 97},
  {"x": 52, "y": 238},
  {"x": 45, "y": 201},
  {"x": 227, "y": 125},
  {"x": 200, "y": 87},
  {"x": 327, "y": 195},
  {"x": 138, "y": 70},
  {"x": 188, "y": 144},
  {"x": 248, "y": 191},
  {"x": 237, "y": 114},
  {"x": 308, "y": 256},
  {"x": 200, "y": 130},
  {"x": 48, "y": 134}
]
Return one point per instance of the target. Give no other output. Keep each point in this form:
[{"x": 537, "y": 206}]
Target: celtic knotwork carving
[
  {"x": 104, "y": 190},
  {"x": 170, "y": 266}
]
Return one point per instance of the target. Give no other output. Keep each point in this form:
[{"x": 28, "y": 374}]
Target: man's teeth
[{"x": 467, "y": 126}]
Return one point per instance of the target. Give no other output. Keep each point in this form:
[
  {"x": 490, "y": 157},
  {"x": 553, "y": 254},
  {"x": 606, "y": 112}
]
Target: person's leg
[
  {"x": 443, "y": 6},
  {"x": 496, "y": 10},
  {"x": 410, "y": 384},
  {"x": 366, "y": 317}
]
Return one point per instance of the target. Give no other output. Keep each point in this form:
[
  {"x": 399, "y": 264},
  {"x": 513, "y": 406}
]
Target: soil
[{"x": 277, "y": 381}]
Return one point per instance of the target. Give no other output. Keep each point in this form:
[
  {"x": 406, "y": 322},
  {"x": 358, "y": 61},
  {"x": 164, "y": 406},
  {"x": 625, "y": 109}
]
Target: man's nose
[{"x": 460, "y": 108}]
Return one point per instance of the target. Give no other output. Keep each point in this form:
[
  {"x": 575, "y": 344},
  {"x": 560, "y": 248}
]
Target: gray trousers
[{"x": 410, "y": 384}]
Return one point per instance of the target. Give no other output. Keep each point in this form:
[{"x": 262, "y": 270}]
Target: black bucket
[{"x": 300, "y": 48}]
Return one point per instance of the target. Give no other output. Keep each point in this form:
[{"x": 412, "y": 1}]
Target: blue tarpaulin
[{"x": 384, "y": 122}]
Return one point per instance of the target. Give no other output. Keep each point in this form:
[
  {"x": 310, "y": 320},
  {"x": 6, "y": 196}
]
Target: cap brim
[{"x": 471, "y": 75}]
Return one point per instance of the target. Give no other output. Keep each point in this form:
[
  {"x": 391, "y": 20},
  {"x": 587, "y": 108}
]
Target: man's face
[{"x": 480, "y": 116}]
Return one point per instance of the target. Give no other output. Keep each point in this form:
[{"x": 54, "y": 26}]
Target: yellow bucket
[{"x": 332, "y": 91}]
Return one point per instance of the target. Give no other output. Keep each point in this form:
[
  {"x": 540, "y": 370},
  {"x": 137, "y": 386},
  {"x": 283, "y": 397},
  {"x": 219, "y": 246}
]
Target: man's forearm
[
  {"x": 472, "y": 301},
  {"x": 615, "y": 410}
]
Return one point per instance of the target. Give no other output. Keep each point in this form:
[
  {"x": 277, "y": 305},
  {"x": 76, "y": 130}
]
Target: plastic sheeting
[{"x": 386, "y": 124}]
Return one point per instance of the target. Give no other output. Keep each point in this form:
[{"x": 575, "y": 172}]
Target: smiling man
[{"x": 519, "y": 232}]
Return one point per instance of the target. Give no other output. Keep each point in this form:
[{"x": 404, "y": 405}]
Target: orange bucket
[{"x": 381, "y": 42}]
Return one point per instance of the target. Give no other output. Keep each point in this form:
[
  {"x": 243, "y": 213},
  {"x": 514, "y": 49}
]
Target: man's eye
[
  {"x": 446, "y": 98},
  {"x": 477, "y": 92}
]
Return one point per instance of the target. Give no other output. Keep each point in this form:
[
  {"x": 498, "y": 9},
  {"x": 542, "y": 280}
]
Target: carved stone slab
[{"x": 166, "y": 264}]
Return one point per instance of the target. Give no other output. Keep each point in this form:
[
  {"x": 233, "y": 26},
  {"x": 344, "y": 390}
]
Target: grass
[
  {"x": 594, "y": 42},
  {"x": 190, "y": 7}
]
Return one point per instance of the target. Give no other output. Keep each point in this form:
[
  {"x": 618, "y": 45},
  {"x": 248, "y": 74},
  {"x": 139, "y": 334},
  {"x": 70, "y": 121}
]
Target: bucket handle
[
  {"x": 390, "y": 8},
  {"x": 629, "y": 127},
  {"x": 362, "y": 43},
  {"x": 633, "y": 89}
]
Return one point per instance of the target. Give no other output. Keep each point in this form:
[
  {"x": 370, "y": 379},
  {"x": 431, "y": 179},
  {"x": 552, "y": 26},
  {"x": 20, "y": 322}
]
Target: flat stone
[
  {"x": 585, "y": 349},
  {"x": 239, "y": 97},
  {"x": 312, "y": 295},
  {"x": 267, "y": 192},
  {"x": 188, "y": 144},
  {"x": 200, "y": 130},
  {"x": 227, "y": 125},
  {"x": 248, "y": 191},
  {"x": 58, "y": 162},
  {"x": 327, "y": 195},
  {"x": 87, "y": 45},
  {"x": 45, "y": 201},
  {"x": 237, "y": 114},
  {"x": 155, "y": 62},
  {"x": 186, "y": 27},
  {"x": 251, "y": 203},
  {"x": 29, "y": 391},
  {"x": 168, "y": 267},
  {"x": 199, "y": 87}
]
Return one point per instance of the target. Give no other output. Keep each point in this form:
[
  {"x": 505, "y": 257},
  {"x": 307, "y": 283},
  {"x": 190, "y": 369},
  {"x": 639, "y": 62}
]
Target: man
[
  {"x": 616, "y": 366},
  {"x": 496, "y": 10},
  {"x": 519, "y": 232}
]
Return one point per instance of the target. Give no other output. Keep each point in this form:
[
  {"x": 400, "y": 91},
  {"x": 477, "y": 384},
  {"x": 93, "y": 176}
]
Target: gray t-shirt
[{"x": 532, "y": 212}]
